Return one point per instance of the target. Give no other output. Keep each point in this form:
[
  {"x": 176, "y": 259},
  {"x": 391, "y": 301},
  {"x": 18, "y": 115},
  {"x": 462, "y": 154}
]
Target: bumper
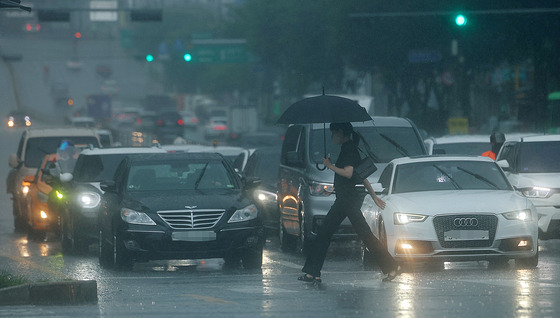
[
  {"x": 549, "y": 219},
  {"x": 158, "y": 245},
  {"x": 420, "y": 242},
  {"x": 86, "y": 223}
]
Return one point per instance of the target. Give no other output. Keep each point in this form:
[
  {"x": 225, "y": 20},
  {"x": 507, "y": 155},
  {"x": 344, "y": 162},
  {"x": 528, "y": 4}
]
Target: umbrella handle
[{"x": 320, "y": 169}]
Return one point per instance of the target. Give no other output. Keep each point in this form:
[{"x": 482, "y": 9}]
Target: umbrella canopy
[{"x": 324, "y": 109}]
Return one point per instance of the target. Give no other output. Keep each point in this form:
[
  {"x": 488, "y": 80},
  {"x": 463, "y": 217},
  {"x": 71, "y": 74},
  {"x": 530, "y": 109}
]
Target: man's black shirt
[{"x": 349, "y": 156}]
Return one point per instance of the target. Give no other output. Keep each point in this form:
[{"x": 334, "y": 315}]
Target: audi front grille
[
  {"x": 446, "y": 223},
  {"x": 191, "y": 219}
]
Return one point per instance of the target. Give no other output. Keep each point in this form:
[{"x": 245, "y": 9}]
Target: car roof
[
  {"x": 60, "y": 132},
  {"x": 539, "y": 138},
  {"x": 121, "y": 150},
  {"x": 225, "y": 150},
  {"x": 455, "y": 139},
  {"x": 406, "y": 160},
  {"x": 378, "y": 121},
  {"x": 173, "y": 156}
]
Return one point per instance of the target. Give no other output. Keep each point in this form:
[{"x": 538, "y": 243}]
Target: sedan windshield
[
  {"x": 448, "y": 175},
  {"x": 538, "y": 157},
  {"x": 178, "y": 175}
]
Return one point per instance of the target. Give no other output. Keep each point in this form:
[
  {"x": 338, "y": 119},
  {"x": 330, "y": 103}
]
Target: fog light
[
  {"x": 406, "y": 246},
  {"x": 43, "y": 215},
  {"x": 522, "y": 243}
]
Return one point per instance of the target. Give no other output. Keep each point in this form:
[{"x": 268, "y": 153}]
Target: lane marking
[{"x": 210, "y": 299}]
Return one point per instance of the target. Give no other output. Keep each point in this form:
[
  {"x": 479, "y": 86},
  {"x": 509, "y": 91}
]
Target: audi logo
[{"x": 465, "y": 222}]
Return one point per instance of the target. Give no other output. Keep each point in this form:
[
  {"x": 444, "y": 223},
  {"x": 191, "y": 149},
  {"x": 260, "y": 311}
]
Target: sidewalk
[{"x": 57, "y": 293}]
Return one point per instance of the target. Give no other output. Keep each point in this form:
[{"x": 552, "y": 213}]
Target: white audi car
[{"x": 452, "y": 208}]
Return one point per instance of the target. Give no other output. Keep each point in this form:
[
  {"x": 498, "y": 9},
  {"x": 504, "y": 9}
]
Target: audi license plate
[
  {"x": 194, "y": 236},
  {"x": 466, "y": 235}
]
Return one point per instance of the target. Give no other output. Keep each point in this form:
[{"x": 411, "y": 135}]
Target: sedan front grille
[
  {"x": 446, "y": 223},
  {"x": 191, "y": 219}
]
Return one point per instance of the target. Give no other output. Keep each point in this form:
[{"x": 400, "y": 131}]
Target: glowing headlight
[
  {"x": 247, "y": 213},
  {"x": 405, "y": 218},
  {"x": 265, "y": 195},
  {"x": 321, "y": 189},
  {"x": 135, "y": 217},
  {"x": 25, "y": 189},
  {"x": 521, "y": 215},
  {"x": 89, "y": 200},
  {"x": 44, "y": 215},
  {"x": 11, "y": 123},
  {"x": 536, "y": 192}
]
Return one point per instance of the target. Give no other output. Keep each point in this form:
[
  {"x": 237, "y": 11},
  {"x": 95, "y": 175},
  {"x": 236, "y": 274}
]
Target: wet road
[{"x": 205, "y": 287}]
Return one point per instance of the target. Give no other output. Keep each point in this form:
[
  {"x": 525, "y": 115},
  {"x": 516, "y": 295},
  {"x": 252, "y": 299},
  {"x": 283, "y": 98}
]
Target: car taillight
[
  {"x": 180, "y": 122},
  {"x": 159, "y": 122},
  {"x": 220, "y": 127}
]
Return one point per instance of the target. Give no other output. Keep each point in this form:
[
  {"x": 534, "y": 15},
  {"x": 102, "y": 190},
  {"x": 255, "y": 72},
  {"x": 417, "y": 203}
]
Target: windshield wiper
[
  {"x": 455, "y": 184},
  {"x": 400, "y": 148},
  {"x": 479, "y": 177},
  {"x": 200, "y": 176}
]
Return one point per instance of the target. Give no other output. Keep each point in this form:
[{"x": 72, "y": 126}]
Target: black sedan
[{"x": 178, "y": 206}]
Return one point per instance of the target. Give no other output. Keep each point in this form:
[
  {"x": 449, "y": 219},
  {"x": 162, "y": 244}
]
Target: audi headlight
[
  {"x": 89, "y": 200},
  {"x": 321, "y": 189},
  {"x": 135, "y": 217},
  {"x": 536, "y": 192},
  {"x": 521, "y": 215},
  {"x": 247, "y": 213},
  {"x": 405, "y": 218},
  {"x": 265, "y": 196}
]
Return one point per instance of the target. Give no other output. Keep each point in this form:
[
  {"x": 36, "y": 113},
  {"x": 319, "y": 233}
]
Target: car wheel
[
  {"x": 105, "y": 253},
  {"x": 19, "y": 221},
  {"x": 287, "y": 241},
  {"x": 303, "y": 242},
  {"x": 252, "y": 259},
  {"x": 382, "y": 233},
  {"x": 527, "y": 263},
  {"x": 65, "y": 241},
  {"x": 368, "y": 260},
  {"x": 121, "y": 257}
]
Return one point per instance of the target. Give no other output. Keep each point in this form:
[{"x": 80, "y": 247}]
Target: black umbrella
[{"x": 324, "y": 109}]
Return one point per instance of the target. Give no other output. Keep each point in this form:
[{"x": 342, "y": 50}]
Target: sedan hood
[
  {"x": 525, "y": 180},
  {"x": 459, "y": 201},
  {"x": 191, "y": 200}
]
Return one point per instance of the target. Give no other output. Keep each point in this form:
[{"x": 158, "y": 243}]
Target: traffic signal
[
  {"x": 187, "y": 57},
  {"x": 149, "y": 58},
  {"x": 460, "y": 20}
]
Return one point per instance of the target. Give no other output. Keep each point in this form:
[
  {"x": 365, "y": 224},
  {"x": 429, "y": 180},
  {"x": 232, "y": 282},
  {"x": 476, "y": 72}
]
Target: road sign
[{"x": 220, "y": 51}]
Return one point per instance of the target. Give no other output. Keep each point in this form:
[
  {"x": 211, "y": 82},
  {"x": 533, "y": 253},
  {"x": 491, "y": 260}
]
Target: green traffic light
[
  {"x": 187, "y": 57},
  {"x": 149, "y": 57},
  {"x": 460, "y": 20}
]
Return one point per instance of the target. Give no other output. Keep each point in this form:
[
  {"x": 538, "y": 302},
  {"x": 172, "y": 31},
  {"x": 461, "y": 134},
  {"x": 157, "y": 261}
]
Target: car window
[
  {"x": 464, "y": 148},
  {"x": 292, "y": 142},
  {"x": 37, "y": 148},
  {"x": 398, "y": 142},
  {"x": 95, "y": 168},
  {"x": 180, "y": 175},
  {"x": 385, "y": 177},
  {"x": 448, "y": 175},
  {"x": 538, "y": 157},
  {"x": 264, "y": 165}
]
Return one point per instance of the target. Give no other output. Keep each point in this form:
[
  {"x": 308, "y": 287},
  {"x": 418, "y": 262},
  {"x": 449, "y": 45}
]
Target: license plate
[
  {"x": 466, "y": 235},
  {"x": 194, "y": 236}
]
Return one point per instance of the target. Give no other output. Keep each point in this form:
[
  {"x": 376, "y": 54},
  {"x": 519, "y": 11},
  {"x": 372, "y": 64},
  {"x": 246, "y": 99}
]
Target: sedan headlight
[
  {"x": 265, "y": 196},
  {"x": 89, "y": 200},
  {"x": 135, "y": 217},
  {"x": 321, "y": 189},
  {"x": 536, "y": 192},
  {"x": 521, "y": 215},
  {"x": 247, "y": 213},
  {"x": 405, "y": 218}
]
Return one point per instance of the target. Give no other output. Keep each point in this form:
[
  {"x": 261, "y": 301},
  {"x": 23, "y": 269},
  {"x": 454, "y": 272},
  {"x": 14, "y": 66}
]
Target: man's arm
[{"x": 380, "y": 203}]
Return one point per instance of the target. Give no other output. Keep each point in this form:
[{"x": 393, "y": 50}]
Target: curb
[{"x": 59, "y": 293}]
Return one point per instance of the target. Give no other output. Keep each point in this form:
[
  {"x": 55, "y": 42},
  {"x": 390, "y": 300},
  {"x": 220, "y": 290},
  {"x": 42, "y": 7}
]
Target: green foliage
[{"x": 7, "y": 280}]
